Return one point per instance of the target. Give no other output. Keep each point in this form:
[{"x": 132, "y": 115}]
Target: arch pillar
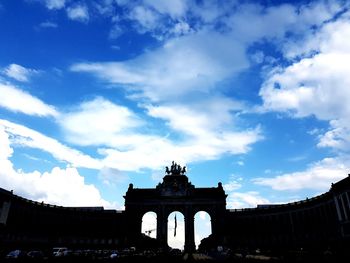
[
  {"x": 162, "y": 228},
  {"x": 189, "y": 231}
]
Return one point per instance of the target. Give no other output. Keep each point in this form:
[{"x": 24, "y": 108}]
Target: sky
[{"x": 95, "y": 95}]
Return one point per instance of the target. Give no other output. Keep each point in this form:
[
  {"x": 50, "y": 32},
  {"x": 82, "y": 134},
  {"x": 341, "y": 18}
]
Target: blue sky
[{"x": 97, "y": 94}]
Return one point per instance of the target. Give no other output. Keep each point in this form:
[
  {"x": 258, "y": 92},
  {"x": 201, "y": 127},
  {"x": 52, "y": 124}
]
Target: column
[
  {"x": 189, "y": 231},
  {"x": 162, "y": 228}
]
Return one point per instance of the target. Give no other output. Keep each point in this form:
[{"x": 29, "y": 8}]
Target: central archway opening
[
  {"x": 176, "y": 230},
  {"x": 149, "y": 224},
  {"x": 202, "y": 228}
]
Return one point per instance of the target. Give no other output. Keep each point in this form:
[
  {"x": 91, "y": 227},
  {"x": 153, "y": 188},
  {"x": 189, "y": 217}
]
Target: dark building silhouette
[{"x": 316, "y": 223}]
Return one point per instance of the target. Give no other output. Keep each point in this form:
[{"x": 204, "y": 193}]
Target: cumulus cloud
[
  {"x": 99, "y": 122},
  {"x": 19, "y": 72},
  {"x": 17, "y": 100},
  {"x": 79, "y": 13},
  {"x": 58, "y": 186},
  {"x": 317, "y": 82},
  {"x": 318, "y": 176}
]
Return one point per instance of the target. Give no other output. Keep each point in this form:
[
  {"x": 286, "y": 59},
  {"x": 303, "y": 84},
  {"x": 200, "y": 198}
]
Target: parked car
[
  {"x": 59, "y": 251},
  {"x": 114, "y": 254},
  {"x": 16, "y": 254}
]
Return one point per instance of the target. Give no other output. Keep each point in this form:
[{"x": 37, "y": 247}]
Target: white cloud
[
  {"x": 115, "y": 32},
  {"x": 318, "y": 176},
  {"x": 238, "y": 200},
  {"x": 232, "y": 185},
  {"x": 199, "y": 117},
  {"x": 316, "y": 85},
  {"x": 181, "y": 28},
  {"x": 240, "y": 163},
  {"x": 155, "y": 17},
  {"x": 312, "y": 86},
  {"x": 274, "y": 22},
  {"x": 116, "y": 130},
  {"x": 337, "y": 137},
  {"x": 23, "y": 136},
  {"x": 17, "y": 100},
  {"x": 59, "y": 186},
  {"x": 206, "y": 125},
  {"x": 19, "y": 72},
  {"x": 55, "y": 4},
  {"x": 112, "y": 176},
  {"x": 185, "y": 69},
  {"x": 147, "y": 18},
  {"x": 174, "y": 8},
  {"x": 210, "y": 11},
  {"x": 102, "y": 123},
  {"x": 250, "y": 199},
  {"x": 79, "y": 13},
  {"x": 99, "y": 122},
  {"x": 199, "y": 60},
  {"x": 105, "y": 7},
  {"x": 48, "y": 24}
]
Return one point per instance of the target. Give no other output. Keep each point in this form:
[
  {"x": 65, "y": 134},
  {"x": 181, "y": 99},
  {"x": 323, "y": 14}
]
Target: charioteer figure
[{"x": 175, "y": 169}]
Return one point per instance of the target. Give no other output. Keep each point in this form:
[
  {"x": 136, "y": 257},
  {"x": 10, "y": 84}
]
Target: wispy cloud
[
  {"x": 17, "y": 100},
  {"x": 200, "y": 61},
  {"x": 48, "y": 24},
  {"x": 318, "y": 176},
  {"x": 19, "y": 72},
  {"x": 23, "y": 136}
]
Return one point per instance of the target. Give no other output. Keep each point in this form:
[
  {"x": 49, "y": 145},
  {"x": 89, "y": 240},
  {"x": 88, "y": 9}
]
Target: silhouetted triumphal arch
[{"x": 175, "y": 193}]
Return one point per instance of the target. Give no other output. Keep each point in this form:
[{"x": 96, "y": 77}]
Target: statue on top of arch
[{"x": 175, "y": 169}]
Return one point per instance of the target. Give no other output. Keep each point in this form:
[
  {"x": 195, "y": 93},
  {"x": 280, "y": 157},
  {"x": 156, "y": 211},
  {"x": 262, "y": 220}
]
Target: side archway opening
[
  {"x": 149, "y": 224},
  {"x": 202, "y": 227}
]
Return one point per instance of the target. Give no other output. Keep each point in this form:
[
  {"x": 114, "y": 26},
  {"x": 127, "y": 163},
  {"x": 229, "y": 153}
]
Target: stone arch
[
  {"x": 175, "y": 193},
  {"x": 176, "y": 229},
  {"x": 149, "y": 224},
  {"x": 202, "y": 226}
]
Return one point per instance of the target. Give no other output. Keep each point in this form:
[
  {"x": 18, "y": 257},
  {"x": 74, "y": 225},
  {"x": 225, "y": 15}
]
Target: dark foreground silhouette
[{"x": 225, "y": 256}]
